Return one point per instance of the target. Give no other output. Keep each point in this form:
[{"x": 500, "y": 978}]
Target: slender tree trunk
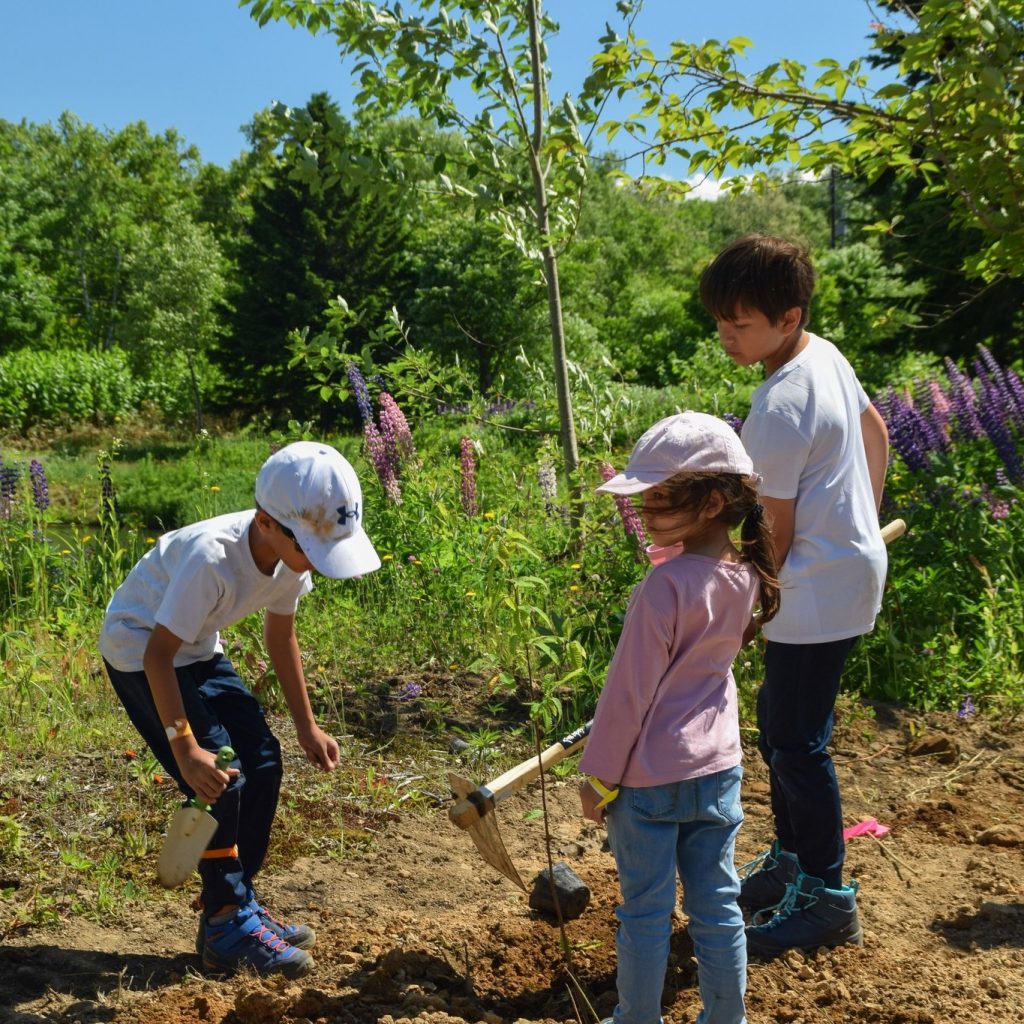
[{"x": 567, "y": 424}]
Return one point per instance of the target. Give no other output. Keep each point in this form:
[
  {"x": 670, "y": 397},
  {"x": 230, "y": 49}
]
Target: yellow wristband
[
  {"x": 179, "y": 729},
  {"x": 607, "y": 795}
]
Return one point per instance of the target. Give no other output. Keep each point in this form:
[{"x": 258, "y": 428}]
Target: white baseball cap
[
  {"x": 689, "y": 442},
  {"x": 311, "y": 489}
]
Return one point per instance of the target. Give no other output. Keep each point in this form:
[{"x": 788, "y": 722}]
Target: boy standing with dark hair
[
  {"x": 161, "y": 647},
  {"x": 822, "y": 449}
]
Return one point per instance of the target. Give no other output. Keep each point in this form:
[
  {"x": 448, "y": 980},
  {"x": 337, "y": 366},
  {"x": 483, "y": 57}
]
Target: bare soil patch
[{"x": 418, "y": 927}]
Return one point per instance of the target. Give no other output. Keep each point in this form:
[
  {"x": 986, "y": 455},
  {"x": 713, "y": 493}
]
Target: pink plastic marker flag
[{"x": 867, "y": 827}]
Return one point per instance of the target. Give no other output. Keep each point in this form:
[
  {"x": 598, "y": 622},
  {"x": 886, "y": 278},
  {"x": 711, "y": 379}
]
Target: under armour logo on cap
[{"x": 301, "y": 486}]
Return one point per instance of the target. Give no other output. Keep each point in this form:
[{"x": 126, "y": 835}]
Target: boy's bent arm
[
  {"x": 283, "y": 648},
  {"x": 198, "y": 766},
  {"x": 781, "y": 514},
  {"x": 876, "y": 448},
  {"x": 158, "y": 664}
]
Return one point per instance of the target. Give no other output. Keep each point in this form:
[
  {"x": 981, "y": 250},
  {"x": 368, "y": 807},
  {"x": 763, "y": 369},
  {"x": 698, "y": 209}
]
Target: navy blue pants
[
  {"x": 221, "y": 711},
  {"x": 795, "y": 708}
]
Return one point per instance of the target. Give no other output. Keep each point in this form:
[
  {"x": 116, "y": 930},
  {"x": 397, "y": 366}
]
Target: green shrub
[{"x": 64, "y": 386}]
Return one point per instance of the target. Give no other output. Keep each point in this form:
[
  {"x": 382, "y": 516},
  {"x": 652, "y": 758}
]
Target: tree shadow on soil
[{"x": 28, "y": 973}]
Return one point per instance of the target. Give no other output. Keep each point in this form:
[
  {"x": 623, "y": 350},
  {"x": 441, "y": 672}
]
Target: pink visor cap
[
  {"x": 312, "y": 490},
  {"x": 689, "y": 442}
]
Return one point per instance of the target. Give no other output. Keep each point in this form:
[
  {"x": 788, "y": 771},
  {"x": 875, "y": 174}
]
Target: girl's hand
[
  {"x": 589, "y": 799},
  {"x": 321, "y": 749}
]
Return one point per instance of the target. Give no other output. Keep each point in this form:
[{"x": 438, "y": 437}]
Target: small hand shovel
[{"x": 192, "y": 828}]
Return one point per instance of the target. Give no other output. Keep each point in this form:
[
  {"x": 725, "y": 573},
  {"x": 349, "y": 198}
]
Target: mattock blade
[{"x": 485, "y": 834}]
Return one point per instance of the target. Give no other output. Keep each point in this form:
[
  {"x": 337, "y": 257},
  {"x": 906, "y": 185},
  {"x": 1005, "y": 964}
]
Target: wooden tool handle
[
  {"x": 481, "y": 801},
  {"x": 893, "y": 530}
]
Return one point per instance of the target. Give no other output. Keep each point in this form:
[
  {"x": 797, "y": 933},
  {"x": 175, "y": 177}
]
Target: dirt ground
[{"x": 419, "y": 927}]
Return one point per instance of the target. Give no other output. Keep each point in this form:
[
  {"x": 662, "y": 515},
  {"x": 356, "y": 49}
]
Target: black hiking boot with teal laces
[
  {"x": 764, "y": 880},
  {"x": 810, "y": 916}
]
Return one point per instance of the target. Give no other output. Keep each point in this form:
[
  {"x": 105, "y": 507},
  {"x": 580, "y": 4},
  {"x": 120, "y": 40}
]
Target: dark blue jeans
[
  {"x": 794, "y": 716},
  {"x": 221, "y": 711}
]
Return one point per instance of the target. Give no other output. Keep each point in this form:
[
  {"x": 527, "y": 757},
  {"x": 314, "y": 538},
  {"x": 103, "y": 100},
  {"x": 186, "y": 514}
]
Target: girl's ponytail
[
  {"x": 758, "y": 548},
  {"x": 690, "y": 492}
]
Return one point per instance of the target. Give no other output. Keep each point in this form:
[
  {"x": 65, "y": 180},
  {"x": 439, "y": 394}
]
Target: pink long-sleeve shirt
[{"x": 668, "y": 708}]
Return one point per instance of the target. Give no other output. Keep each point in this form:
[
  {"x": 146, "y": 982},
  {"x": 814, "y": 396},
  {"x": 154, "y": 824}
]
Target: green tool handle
[{"x": 224, "y": 757}]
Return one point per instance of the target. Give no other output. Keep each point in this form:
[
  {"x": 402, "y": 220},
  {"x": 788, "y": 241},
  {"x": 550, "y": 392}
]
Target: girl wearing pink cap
[{"x": 663, "y": 758}]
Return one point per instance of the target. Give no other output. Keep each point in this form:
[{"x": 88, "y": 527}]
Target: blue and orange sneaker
[
  {"x": 242, "y": 941},
  {"x": 299, "y": 935}
]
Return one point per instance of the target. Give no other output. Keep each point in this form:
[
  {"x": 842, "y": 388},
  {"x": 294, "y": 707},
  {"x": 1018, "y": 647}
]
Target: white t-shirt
[
  {"x": 195, "y": 581},
  {"x": 804, "y": 435}
]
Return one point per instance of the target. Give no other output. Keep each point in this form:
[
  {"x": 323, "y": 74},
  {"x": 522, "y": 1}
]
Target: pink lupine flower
[
  {"x": 468, "y": 468},
  {"x": 395, "y": 428},
  {"x": 631, "y": 521},
  {"x": 381, "y": 463}
]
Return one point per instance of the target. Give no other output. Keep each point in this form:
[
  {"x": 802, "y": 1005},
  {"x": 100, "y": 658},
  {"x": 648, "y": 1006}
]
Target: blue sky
[{"x": 204, "y": 67}]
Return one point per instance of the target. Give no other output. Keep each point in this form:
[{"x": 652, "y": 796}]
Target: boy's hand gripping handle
[{"x": 224, "y": 757}]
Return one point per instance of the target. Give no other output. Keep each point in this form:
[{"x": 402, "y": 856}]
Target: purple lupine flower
[
  {"x": 395, "y": 428},
  {"x": 990, "y": 389},
  {"x": 734, "y": 421},
  {"x": 40, "y": 490},
  {"x": 362, "y": 393},
  {"x": 908, "y": 432},
  {"x": 631, "y": 521},
  {"x": 1016, "y": 388},
  {"x": 964, "y": 402},
  {"x": 992, "y": 415},
  {"x": 9, "y": 476},
  {"x": 988, "y": 367},
  {"x": 378, "y": 453},
  {"x": 967, "y": 708},
  {"x": 467, "y": 466},
  {"x": 410, "y": 691}
]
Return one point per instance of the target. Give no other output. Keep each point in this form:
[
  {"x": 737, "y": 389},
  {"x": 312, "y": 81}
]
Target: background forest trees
[{"x": 195, "y": 280}]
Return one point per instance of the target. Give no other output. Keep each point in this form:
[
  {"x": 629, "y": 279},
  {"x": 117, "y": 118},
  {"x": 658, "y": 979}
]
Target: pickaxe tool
[{"x": 474, "y": 809}]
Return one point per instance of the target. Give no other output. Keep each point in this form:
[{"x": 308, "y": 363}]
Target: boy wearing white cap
[
  {"x": 161, "y": 647},
  {"x": 664, "y": 750}
]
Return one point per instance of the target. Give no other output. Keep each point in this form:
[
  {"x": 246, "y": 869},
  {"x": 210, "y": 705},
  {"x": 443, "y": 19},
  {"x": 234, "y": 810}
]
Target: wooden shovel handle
[{"x": 481, "y": 801}]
